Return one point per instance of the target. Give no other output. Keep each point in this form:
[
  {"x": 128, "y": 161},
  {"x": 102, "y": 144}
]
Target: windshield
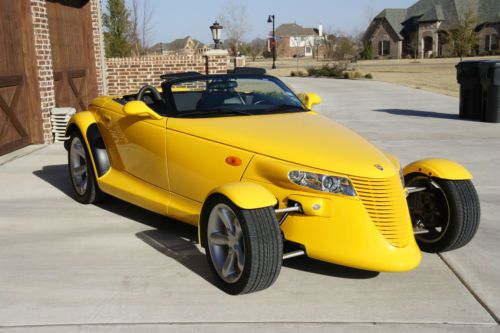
[{"x": 232, "y": 96}]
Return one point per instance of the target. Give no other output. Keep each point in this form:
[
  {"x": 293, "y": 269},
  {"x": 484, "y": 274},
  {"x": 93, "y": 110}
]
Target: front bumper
[{"x": 346, "y": 231}]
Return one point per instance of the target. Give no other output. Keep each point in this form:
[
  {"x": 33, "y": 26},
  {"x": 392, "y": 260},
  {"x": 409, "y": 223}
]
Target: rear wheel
[
  {"x": 445, "y": 215},
  {"x": 244, "y": 247},
  {"x": 81, "y": 171}
]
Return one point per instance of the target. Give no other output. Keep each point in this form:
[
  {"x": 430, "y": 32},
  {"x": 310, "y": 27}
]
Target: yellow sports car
[{"x": 245, "y": 160}]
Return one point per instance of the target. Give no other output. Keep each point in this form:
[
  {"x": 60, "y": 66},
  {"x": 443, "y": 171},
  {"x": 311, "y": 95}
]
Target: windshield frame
[{"x": 174, "y": 113}]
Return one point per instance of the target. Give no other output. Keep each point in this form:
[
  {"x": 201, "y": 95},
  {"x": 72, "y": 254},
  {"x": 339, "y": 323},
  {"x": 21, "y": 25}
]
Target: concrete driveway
[{"x": 67, "y": 267}]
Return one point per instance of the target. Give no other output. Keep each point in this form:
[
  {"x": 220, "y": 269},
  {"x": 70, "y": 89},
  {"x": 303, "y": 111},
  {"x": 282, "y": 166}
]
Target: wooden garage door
[
  {"x": 73, "y": 56},
  {"x": 20, "y": 115}
]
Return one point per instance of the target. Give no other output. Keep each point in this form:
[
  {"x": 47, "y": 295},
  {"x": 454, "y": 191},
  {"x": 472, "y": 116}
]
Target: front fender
[
  {"x": 439, "y": 168},
  {"x": 81, "y": 121},
  {"x": 246, "y": 195},
  {"x": 85, "y": 122}
]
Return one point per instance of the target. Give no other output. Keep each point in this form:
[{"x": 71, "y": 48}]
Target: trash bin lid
[{"x": 468, "y": 70}]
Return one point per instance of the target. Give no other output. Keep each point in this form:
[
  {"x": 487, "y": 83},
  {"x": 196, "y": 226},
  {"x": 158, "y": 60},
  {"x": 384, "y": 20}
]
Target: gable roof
[
  {"x": 395, "y": 17},
  {"x": 293, "y": 29}
]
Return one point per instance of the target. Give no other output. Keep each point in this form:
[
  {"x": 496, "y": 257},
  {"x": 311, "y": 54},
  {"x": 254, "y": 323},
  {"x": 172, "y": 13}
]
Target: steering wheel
[{"x": 154, "y": 93}]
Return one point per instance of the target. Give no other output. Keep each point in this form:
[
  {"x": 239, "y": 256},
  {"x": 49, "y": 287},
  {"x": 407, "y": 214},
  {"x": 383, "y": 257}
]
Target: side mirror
[
  {"x": 139, "y": 108},
  {"x": 311, "y": 99}
]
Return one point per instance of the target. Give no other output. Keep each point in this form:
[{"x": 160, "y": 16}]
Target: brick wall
[
  {"x": 44, "y": 64},
  {"x": 383, "y": 32},
  {"x": 98, "y": 39},
  {"x": 493, "y": 29},
  {"x": 126, "y": 75}
]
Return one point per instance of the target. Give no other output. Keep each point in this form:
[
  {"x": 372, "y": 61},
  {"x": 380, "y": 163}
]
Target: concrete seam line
[
  {"x": 24, "y": 154},
  {"x": 195, "y": 323},
  {"x": 471, "y": 291}
]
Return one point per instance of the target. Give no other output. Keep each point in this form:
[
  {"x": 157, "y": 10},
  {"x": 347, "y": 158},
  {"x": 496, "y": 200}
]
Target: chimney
[{"x": 320, "y": 30}]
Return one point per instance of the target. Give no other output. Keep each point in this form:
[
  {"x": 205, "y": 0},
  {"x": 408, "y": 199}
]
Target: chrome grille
[{"x": 385, "y": 202}]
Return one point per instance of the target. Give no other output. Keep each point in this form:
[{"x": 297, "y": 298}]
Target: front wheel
[
  {"x": 81, "y": 171},
  {"x": 244, "y": 247},
  {"x": 445, "y": 215}
]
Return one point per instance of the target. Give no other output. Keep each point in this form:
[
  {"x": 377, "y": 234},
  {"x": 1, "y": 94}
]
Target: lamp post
[
  {"x": 216, "y": 28},
  {"x": 270, "y": 19}
]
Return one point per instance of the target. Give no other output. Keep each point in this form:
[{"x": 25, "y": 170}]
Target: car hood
[{"x": 304, "y": 138}]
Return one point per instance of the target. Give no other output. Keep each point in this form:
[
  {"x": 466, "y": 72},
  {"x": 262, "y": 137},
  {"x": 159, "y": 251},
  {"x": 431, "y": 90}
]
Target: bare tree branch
[{"x": 235, "y": 23}]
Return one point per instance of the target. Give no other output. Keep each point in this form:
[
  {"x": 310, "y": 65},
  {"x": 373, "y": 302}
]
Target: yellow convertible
[{"x": 245, "y": 160}]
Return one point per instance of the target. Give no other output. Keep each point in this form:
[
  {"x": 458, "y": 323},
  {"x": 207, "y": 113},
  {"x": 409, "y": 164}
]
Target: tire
[
  {"x": 448, "y": 210},
  {"x": 81, "y": 172},
  {"x": 244, "y": 248}
]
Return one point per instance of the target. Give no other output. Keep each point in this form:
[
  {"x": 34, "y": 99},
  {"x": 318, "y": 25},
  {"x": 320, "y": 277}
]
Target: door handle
[{"x": 106, "y": 118}]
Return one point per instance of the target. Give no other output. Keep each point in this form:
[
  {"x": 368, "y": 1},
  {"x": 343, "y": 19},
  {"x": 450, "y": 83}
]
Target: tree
[
  {"x": 141, "y": 27},
  {"x": 235, "y": 23},
  {"x": 257, "y": 47},
  {"x": 463, "y": 36},
  {"x": 367, "y": 50},
  {"x": 117, "y": 29}
]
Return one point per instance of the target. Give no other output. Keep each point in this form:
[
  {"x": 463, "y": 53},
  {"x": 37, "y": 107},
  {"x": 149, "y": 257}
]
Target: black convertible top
[{"x": 237, "y": 71}]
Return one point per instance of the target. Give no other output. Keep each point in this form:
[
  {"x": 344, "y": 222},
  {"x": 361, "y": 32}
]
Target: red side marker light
[{"x": 233, "y": 160}]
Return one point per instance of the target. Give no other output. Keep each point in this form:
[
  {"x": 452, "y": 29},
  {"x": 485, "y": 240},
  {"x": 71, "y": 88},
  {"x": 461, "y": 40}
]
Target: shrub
[
  {"x": 327, "y": 71},
  {"x": 369, "y": 76}
]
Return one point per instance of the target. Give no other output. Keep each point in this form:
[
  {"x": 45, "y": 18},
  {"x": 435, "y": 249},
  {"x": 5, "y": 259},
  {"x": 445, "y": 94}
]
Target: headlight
[{"x": 323, "y": 183}]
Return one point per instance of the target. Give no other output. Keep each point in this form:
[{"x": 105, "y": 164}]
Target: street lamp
[
  {"x": 270, "y": 19},
  {"x": 216, "y": 28}
]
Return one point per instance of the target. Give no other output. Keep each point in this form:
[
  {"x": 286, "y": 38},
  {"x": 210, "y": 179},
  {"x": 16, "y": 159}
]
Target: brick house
[
  {"x": 294, "y": 40},
  {"x": 422, "y": 29},
  {"x": 52, "y": 55}
]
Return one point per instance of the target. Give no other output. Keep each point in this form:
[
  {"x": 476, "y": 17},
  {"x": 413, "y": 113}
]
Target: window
[
  {"x": 384, "y": 47},
  {"x": 491, "y": 43}
]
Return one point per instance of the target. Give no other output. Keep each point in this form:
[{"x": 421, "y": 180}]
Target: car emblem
[{"x": 378, "y": 166}]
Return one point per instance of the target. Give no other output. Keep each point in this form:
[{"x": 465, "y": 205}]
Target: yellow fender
[
  {"x": 439, "y": 168},
  {"x": 82, "y": 120},
  {"x": 246, "y": 195}
]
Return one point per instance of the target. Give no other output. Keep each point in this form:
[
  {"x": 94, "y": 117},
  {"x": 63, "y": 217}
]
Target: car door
[{"x": 140, "y": 145}]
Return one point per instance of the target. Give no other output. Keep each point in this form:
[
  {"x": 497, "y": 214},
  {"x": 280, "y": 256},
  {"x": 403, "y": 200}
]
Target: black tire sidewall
[
  {"x": 240, "y": 286},
  {"x": 456, "y": 230}
]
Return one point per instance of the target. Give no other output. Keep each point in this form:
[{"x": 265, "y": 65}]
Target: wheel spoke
[
  {"x": 240, "y": 257},
  {"x": 225, "y": 217},
  {"x": 218, "y": 238},
  {"x": 79, "y": 151},
  {"x": 228, "y": 267},
  {"x": 80, "y": 170}
]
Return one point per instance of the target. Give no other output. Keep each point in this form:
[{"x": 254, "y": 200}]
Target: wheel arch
[
  {"x": 85, "y": 123},
  {"x": 245, "y": 195},
  {"x": 438, "y": 168}
]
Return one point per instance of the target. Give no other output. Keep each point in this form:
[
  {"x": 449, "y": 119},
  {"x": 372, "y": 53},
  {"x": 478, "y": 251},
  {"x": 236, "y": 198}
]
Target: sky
[{"x": 180, "y": 18}]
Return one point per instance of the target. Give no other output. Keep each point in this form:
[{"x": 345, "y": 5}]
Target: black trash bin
[
  {"x": 468, "y": 76},
  {"x": 490, "y": 82}
]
